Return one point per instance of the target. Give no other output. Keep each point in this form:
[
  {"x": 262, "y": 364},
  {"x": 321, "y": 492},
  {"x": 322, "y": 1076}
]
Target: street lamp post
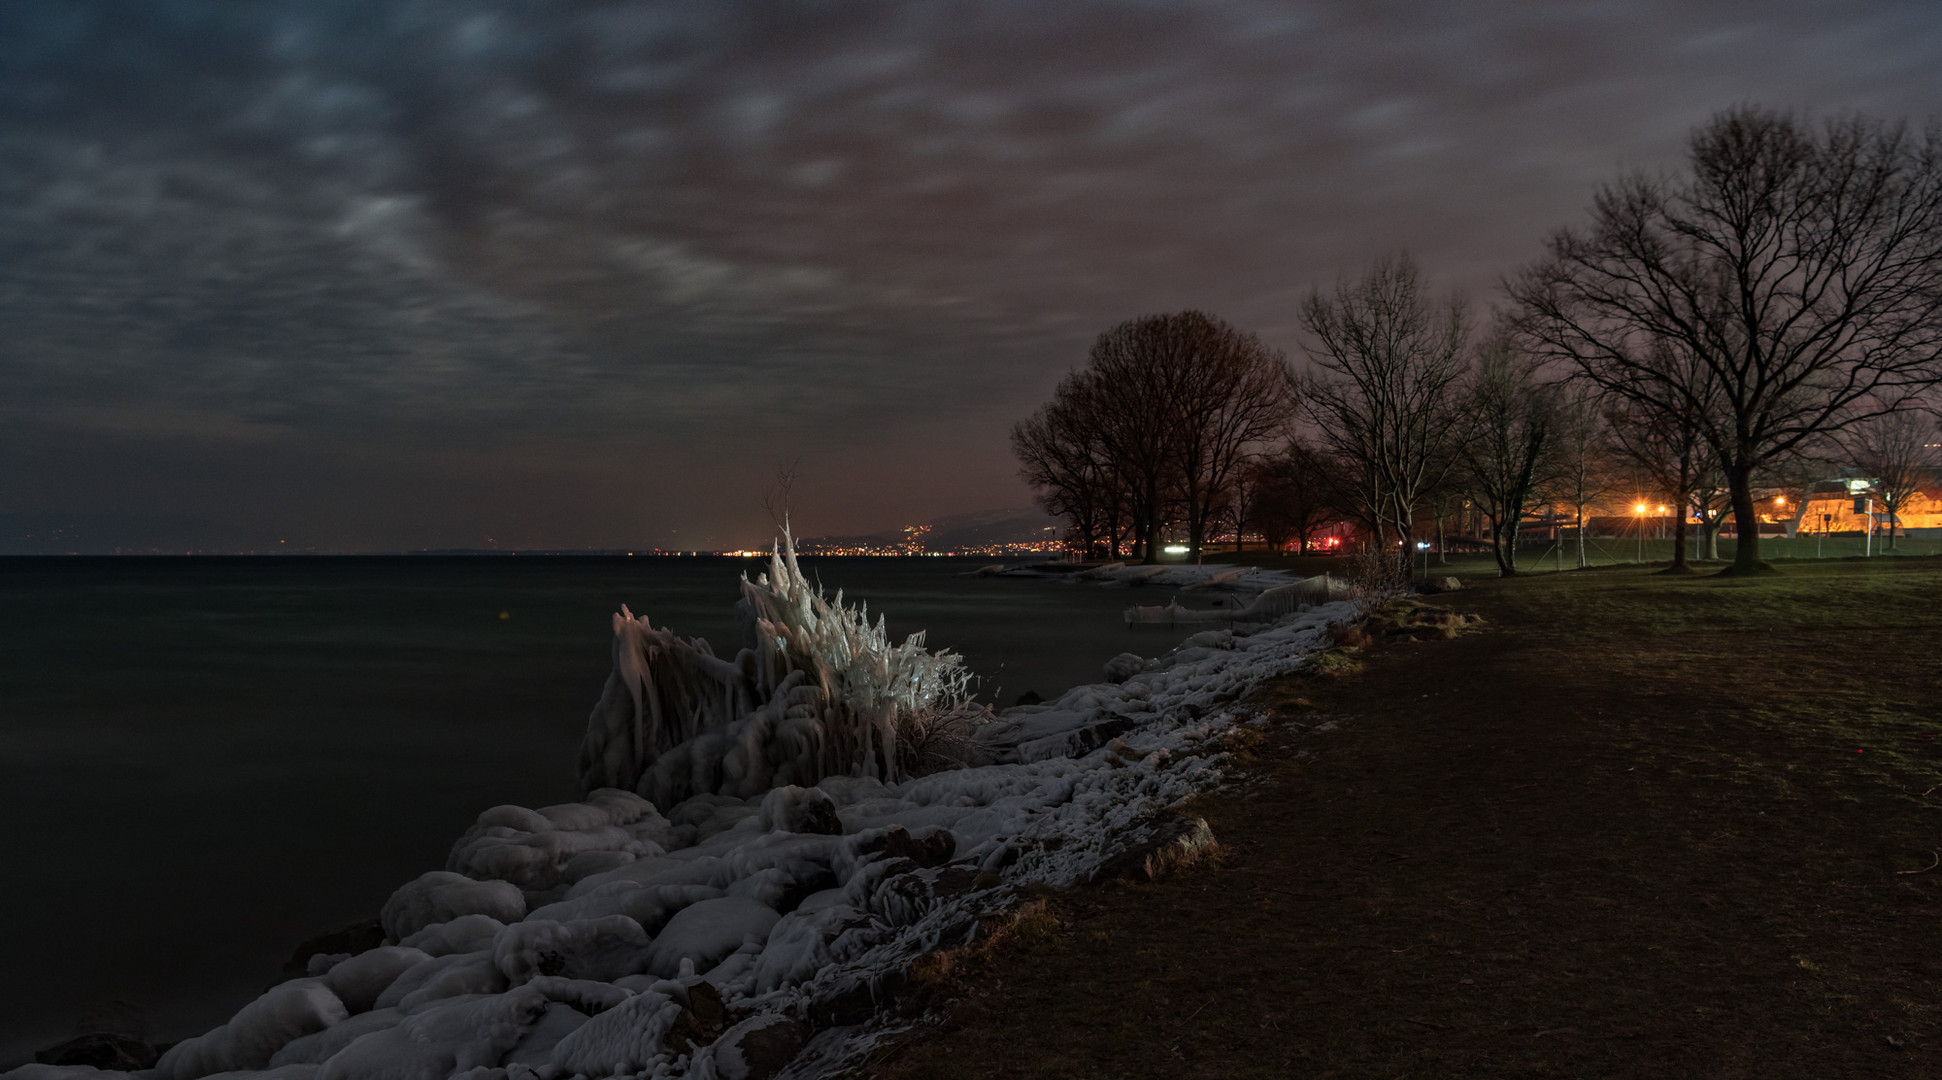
[{"x": 1638, "y": 519}]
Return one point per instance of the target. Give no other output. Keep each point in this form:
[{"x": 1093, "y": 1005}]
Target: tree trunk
[
  {"x": 1581, "y": 537},
  {"x": 1746, "y": 550},
  {"x": 1679, "y": 563},
  {"x": 1506, "y": 558},
  {"x": 1709, "y": 536}
]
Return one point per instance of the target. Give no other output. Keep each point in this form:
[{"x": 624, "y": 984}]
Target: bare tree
[
  {"x": 1581, "y": 471},
  {"x": 1294, "y": 494},
  {"x": 1124, "y": 392},
  {"x": 1058, "y": 456},
  {"x": 1899, "y": 453},
  {"x": 1232, "y": 396},
  {"x": 1710, "y": 502},
  {"x": 1511, "y": 422},
  {"x": 1669, "y": 452},
  {"x": 1163, "y": 416},
  {"x": 1799, "y": 268},
  {"x": 1383, "y": 395},
  {"x": 1243, "y": 498}
]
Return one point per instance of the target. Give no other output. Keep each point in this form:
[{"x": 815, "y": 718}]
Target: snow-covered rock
[
  {"x": 602, "y": 949},
  {"x": 253, "y": 1036},
  {"x": 359, "y": 980},
  {"x": 707, "y": 933},
  {"x": 536, "y": 849},
  {"x": 438, "y": 896},
  {"x": 449, "y": 1038},
  {"x": 467, "y": 933}
]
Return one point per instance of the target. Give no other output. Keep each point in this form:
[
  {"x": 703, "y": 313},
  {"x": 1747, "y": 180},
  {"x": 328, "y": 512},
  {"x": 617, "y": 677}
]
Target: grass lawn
[{"x": 1634, "y": 826}]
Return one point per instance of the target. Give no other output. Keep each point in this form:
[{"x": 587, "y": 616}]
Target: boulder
[
  {"x": 1168, "y": 845},
  {"x": 438, "y": 896},
  {"x": 1124, "y": 666},
  {"x": 758, "y": 1048},
  {"x": 934, "y": 848},
  {"x": 800, "y": 810}
]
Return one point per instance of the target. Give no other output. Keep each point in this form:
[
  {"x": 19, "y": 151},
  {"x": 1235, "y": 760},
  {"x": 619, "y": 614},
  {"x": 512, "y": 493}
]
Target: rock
[
  {"x": 758, "y": 1048},
  {"x": 355, "y": 938},
  {"x": 1209, "y": 639},
  {"x": 706, "y": 933},
  {"x": 856, "y": 1000},
  {"x": 801, "y": 810},
  {"x": 357, "y": 982},
  {"x": 438, "y": 896},
  {"x": 102, "y": 1051},
  {"x": 1093, "y": 736},
  {"x": 934, "y": 848},
  {"x": 1169, "y": 845},
  {"x": 703, "y": 1016},
  {"x": 1124, "y": 666},
  {"x": 1439, "y": 585}
]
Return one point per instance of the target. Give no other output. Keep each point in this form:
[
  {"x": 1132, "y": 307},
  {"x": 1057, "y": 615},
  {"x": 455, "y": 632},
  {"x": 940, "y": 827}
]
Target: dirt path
[{"x": 1581, "y": 842}]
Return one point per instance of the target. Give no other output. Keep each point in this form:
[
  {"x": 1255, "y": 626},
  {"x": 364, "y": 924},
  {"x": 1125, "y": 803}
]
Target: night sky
[{"x": 432, "y": 273}]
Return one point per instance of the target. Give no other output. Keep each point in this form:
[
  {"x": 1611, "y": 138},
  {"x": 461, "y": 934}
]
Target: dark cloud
[{"x": 401, "y": 274}]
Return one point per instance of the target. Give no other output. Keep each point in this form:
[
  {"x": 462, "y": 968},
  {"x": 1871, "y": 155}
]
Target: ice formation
[
  {"x": 736, "y": 929},
  {"x": 817, "y": 691}
]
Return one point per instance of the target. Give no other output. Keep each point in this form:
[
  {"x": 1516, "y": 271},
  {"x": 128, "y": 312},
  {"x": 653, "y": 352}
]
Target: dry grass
[{"x": 1632, "y": 826}]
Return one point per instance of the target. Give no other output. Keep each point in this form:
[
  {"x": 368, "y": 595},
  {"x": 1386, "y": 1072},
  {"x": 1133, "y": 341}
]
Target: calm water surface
[{"x": 205, "y": 761}]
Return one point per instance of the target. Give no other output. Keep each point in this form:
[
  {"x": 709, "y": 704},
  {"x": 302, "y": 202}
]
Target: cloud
[{"x": 741, "y": 230}]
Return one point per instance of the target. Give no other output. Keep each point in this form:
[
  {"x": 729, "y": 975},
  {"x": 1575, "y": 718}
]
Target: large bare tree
[
  {"x": 1164, "y": 414},
  {"x": 1383, "y": 393},
  {"x": 1798, "y": 267}
]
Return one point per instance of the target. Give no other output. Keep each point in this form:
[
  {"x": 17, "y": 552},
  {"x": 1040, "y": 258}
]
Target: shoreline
[{"x": 1043, "y": 723}]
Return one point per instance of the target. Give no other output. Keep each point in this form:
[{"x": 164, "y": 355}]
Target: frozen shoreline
[{"x": 652, "y": 923}]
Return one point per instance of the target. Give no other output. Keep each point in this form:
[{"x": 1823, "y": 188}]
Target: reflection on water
[{"x": 208, "y": 760}]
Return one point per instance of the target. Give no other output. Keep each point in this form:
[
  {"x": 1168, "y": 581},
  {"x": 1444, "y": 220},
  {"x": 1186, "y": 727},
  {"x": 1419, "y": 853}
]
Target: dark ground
[{"x": 1634, "y": 826}]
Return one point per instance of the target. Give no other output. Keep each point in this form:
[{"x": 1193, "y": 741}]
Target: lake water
[{"x": 205, "y": 761}]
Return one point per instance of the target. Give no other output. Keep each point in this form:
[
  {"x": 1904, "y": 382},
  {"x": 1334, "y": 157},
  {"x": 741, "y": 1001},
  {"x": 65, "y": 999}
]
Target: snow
[
  {"x": 358, "y": 980},
  {"x": 590, "y": 939},
  {"x": 257, "y": 1031},
  {"x": 601, "y": 950},
  {"x": 438, "y": 896}
]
